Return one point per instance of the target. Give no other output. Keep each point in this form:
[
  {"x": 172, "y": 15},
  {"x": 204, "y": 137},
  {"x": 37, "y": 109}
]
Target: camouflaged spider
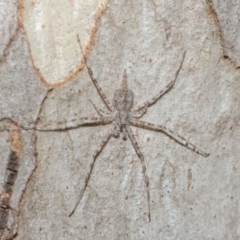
[{"x": 121, "y": 115}]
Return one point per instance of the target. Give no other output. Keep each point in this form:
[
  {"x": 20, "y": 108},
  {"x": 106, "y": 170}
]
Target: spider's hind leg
[
  {"x": 95, "y": 155},
  {"x": 179, "y": 139},
  {"x": 140, "y": 155}
]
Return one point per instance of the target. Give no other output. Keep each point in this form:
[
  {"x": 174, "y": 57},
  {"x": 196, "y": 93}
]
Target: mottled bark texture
[{"x": 46, "y": 94}]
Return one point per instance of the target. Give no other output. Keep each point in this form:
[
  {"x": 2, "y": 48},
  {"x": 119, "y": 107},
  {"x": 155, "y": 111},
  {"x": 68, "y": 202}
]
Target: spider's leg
[
  {"x": 95, "y": 155},
  {"x": 99, "y": 89},
  {"x": 99, "y": 111},
  {"x": 140, "y": 155},
  {"x": 96, "y": 120},
  {"x": 139, "y": 113},
  {"x": 161, "y": 93},
  {"x": 85, "y": 121},
  {"x": 181, "y": 140}
]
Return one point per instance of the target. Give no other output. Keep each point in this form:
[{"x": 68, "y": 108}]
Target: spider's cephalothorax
[{"x": 123, "y": 103}]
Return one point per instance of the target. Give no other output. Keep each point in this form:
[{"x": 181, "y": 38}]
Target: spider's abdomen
[{"x": 123, "y": 100}]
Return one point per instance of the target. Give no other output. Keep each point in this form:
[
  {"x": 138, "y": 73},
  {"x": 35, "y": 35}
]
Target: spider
[{"x": 121, "y": 115}]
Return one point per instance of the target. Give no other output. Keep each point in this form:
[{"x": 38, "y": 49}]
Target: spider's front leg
[
  {"x": 181, "y": 140},
  {"x": 139, "y": 113},
  {"x": 143, "y": 107},
  {"x": 84, "y": 121},
  {"x": 101, "y": 112},
  {"x": 99, "y": 89}
]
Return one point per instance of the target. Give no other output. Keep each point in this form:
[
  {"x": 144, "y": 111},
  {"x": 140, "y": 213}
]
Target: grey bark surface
[
  {"x": 191, "y": 197},
  {"x": 228, "y": 13}
]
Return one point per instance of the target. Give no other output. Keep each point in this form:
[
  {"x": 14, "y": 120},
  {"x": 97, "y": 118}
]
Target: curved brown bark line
[{"x": 87, "y": 48}]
